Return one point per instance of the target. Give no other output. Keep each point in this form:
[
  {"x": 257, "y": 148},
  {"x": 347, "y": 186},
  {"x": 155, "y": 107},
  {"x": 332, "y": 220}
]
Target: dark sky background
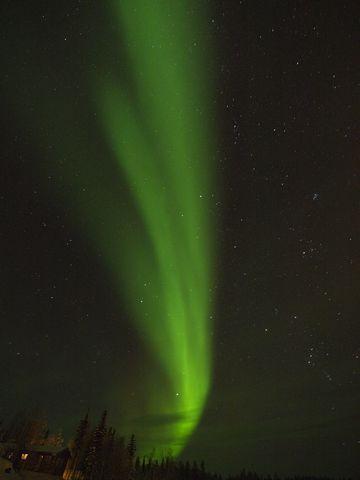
[{"x": 286, "y": 387}]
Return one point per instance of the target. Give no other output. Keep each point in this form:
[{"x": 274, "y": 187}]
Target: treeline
[
  {"x": 99, "y": 453},
  {"x": 30, "y": 428}
]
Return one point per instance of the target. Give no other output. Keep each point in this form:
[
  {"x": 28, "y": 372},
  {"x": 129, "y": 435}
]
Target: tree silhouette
[{"x": 93, "y": 463}]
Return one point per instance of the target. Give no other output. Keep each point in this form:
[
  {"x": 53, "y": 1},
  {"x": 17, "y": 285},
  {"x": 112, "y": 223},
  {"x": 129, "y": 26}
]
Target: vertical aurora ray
[
  {"x": 160, "y": 136},
  {"x": 154, "y": 117}
]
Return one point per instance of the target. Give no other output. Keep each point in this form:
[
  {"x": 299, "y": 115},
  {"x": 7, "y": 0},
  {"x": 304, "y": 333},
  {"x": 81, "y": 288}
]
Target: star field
[{"x": 286, "y": 353}]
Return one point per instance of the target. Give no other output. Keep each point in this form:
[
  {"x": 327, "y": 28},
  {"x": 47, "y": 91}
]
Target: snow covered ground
[{"x": 24, "y": 474}]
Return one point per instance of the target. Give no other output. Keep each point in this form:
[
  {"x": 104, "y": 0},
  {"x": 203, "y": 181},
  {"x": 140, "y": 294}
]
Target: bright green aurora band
[
  {"x": 160, "y": 135},
  {"x": 155, "y": 116}
]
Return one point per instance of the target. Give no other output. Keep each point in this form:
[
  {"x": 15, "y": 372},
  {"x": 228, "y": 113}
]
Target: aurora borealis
[
  {"x": 179, "y": 226},
  {"x": 159, "y": 136}
]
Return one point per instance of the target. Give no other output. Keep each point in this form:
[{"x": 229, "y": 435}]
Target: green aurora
[
  {"x": 160, "y": 135},
  {"x": 150, "y": 98}
]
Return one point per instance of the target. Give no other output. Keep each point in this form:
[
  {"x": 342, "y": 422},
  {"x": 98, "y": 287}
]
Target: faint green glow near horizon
[{"x": 160, "y": 136}]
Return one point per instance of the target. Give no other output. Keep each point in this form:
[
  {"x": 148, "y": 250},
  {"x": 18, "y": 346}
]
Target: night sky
[{"x": 283, "y": 204}]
